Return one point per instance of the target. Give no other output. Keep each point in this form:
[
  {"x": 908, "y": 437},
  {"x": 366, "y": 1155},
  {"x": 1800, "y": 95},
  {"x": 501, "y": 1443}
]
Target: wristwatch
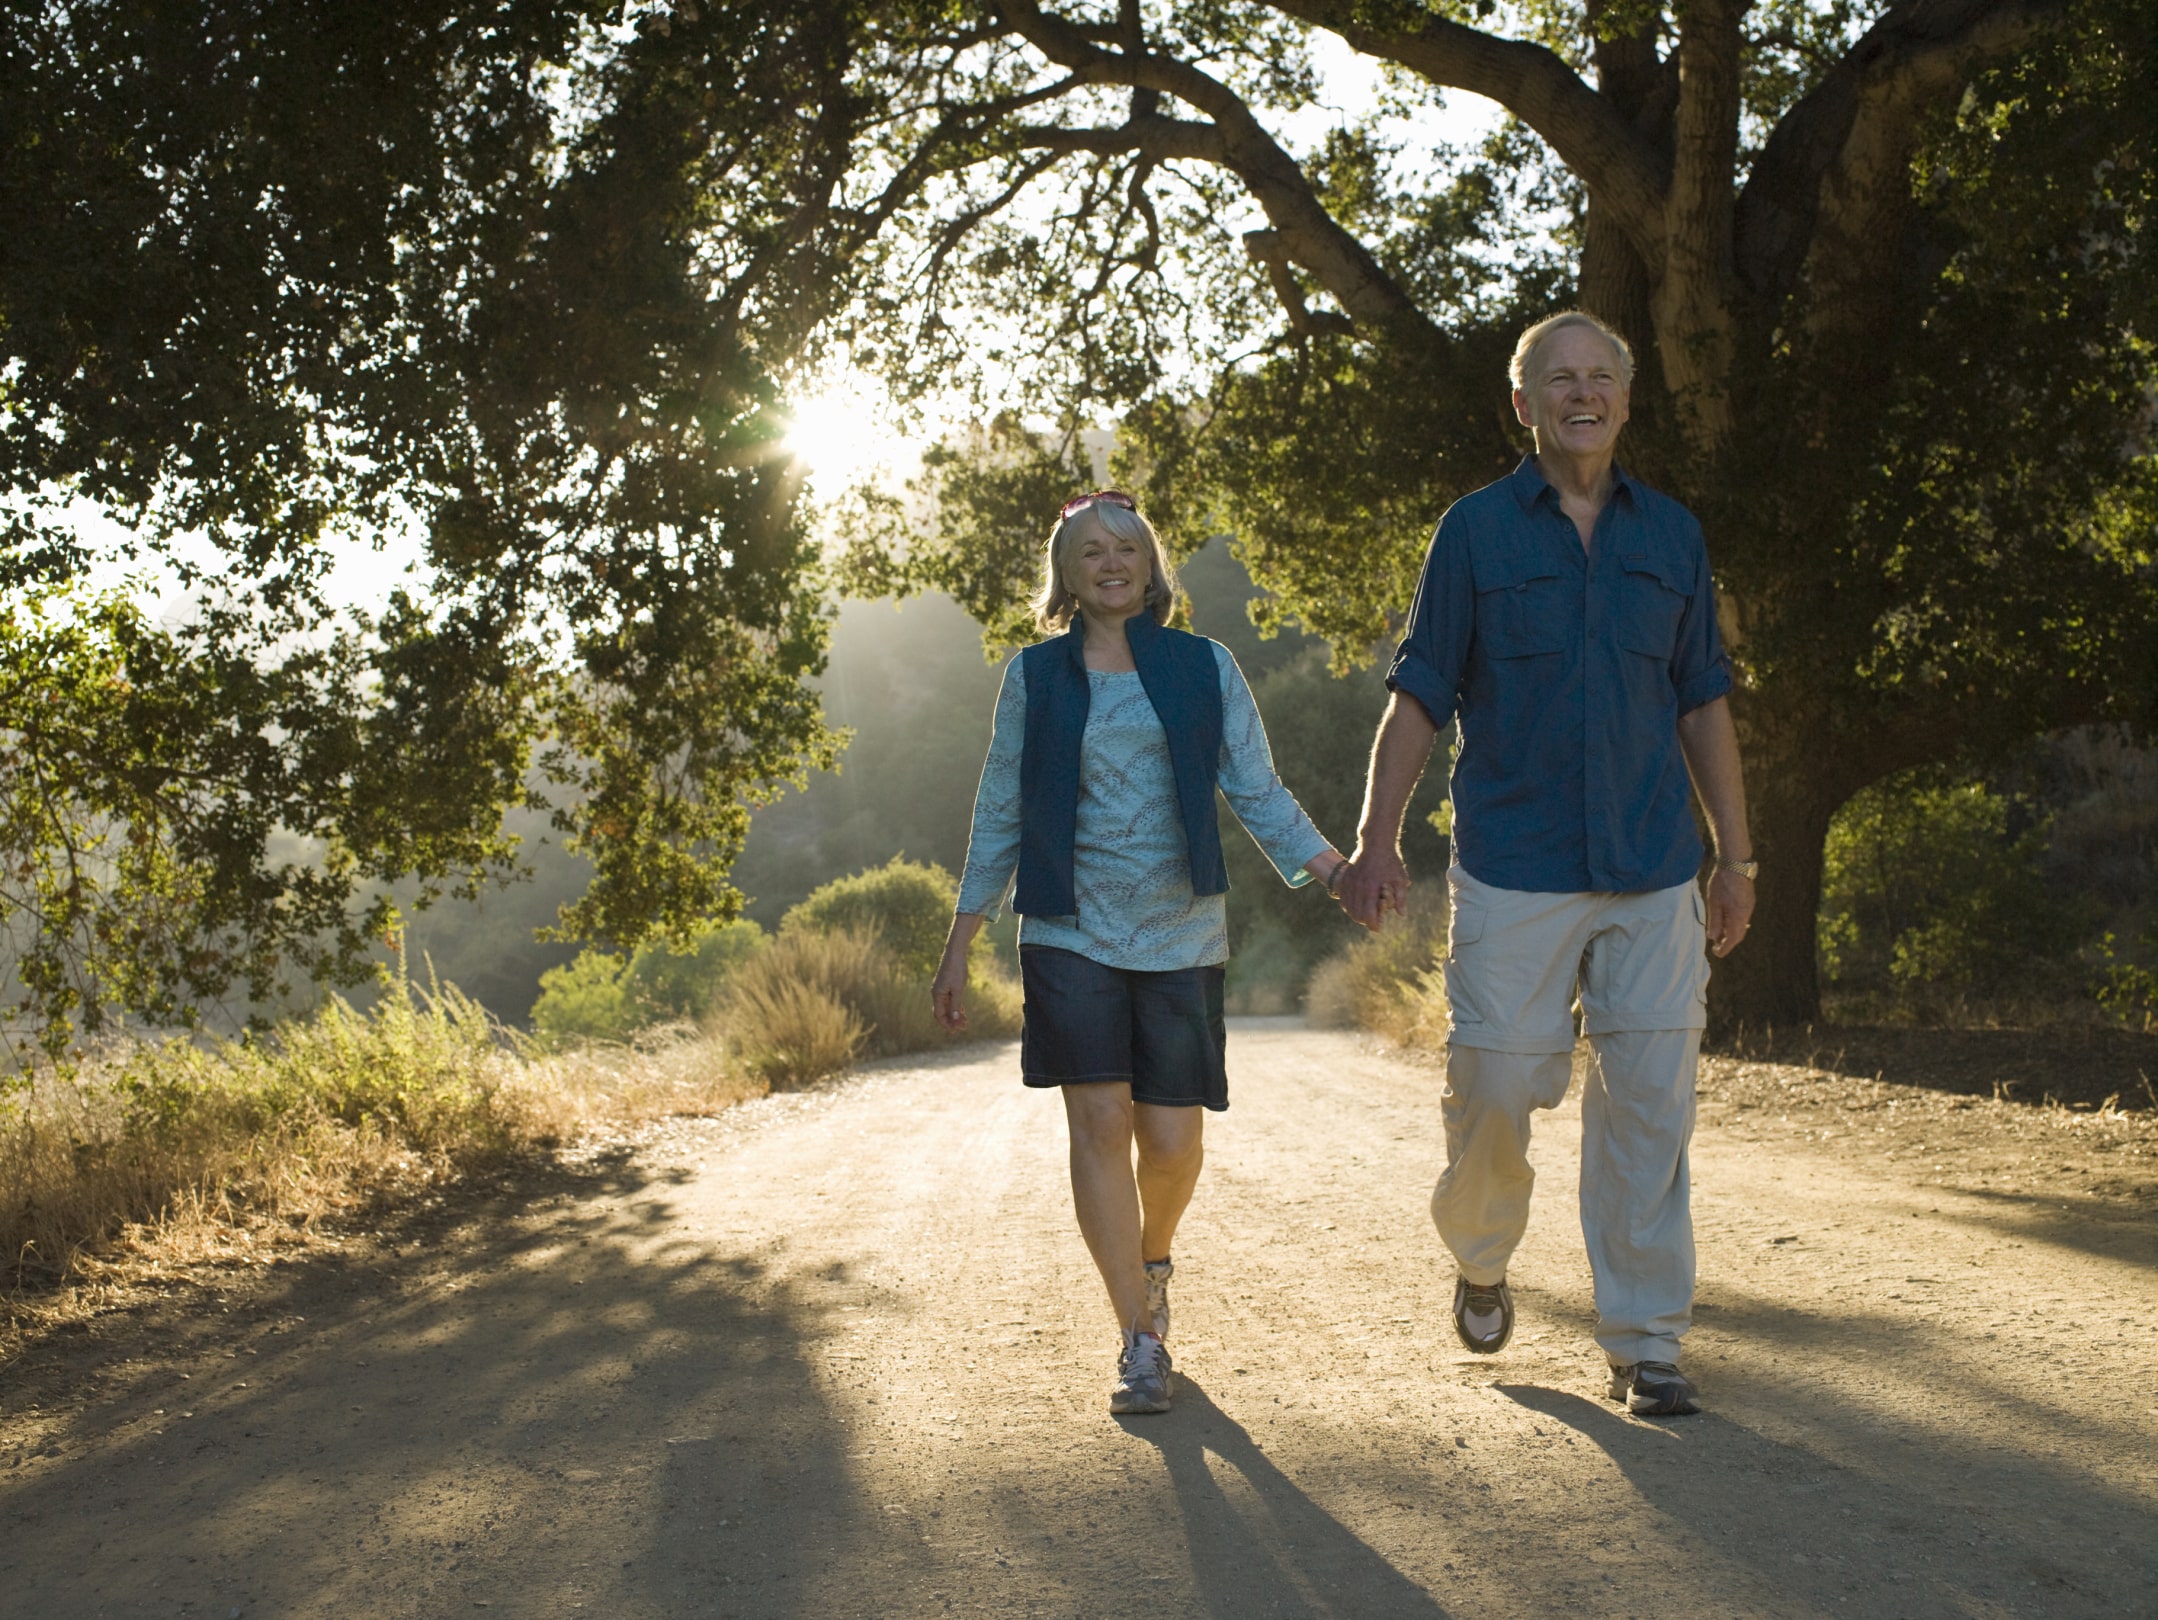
[{"x": 1749, "y": 870}]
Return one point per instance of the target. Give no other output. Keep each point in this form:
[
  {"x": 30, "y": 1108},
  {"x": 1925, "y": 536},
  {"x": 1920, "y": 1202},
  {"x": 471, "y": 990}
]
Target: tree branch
[
  {"x": 1835, "y": 161},
  {"x": 1622, "y": 169},
  {"x": 1308, "y": 233},
  {"x": 1158, "y": 139},
  {"x": 1264, "y": 247}
]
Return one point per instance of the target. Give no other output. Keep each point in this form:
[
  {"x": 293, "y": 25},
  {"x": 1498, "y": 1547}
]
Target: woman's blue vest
[{"x": 1183, "y": 683}]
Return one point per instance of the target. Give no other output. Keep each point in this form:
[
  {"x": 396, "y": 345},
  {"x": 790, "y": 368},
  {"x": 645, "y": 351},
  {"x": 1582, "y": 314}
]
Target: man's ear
[{"x": 1521, "y": 408}]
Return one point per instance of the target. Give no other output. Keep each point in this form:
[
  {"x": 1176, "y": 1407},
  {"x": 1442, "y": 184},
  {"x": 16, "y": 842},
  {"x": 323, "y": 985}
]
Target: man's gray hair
[{"x": 1536, "y": 336}]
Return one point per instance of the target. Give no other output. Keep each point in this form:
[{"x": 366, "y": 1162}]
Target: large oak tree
[
  {"x": 517, "y": 279},
  {"x": 1887, "y": 268},
  {"x": 527, "y": 277}
]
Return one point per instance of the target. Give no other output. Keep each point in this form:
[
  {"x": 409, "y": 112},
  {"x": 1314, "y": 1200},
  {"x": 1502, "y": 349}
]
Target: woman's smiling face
[{"x": 1107, "y": 572}]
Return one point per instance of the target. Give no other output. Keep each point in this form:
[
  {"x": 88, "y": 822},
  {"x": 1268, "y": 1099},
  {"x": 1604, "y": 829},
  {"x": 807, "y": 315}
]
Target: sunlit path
[{"x": 843, "y": 1354}]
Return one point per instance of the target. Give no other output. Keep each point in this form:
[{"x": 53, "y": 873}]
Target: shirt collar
[{"x": 1530, "y": 485}]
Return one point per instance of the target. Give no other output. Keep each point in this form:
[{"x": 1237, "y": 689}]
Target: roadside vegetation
[
  {"x": 148, "y": 1155},
  {"x": 2015, "y": 897}
]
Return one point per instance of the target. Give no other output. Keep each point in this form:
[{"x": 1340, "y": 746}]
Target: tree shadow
[
  {"x": 557, "y": 1413},
  {"x": 2093, "y": 1226},
  {"x": 1259, "y": 1545},
  {"x": 1861, "y": 1451}
]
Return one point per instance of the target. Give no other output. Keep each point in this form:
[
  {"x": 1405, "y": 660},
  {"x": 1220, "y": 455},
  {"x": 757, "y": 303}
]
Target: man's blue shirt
[{"x": 1569, "y": 670}]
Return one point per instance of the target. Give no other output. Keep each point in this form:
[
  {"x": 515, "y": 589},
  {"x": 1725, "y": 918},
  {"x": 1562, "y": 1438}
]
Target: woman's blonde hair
[{"x": 1054, "y": 603}]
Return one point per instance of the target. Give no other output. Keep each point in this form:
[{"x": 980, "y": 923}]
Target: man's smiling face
[{"x": 1574, "y": 396}]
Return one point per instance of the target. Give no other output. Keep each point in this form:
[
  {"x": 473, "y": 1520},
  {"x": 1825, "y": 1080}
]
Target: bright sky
[{"x": 844, "y": 429}]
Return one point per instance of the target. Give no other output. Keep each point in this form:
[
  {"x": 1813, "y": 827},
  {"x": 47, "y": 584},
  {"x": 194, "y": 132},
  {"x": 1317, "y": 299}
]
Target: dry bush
[
  {"x": 811, "y": 1004},
  {"x": 169, "y": 1152},
  {"x": 791, "y": 1034},
  {"x": 176, "y": 1137},
  {"x": 1388, "y": 983},
  {"x": 180, "y": 1149}
]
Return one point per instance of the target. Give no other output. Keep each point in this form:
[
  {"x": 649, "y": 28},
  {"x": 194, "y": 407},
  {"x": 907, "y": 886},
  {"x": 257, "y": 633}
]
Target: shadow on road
[
  {"x": 1259, "y": 1545},
  {"x": 514, "y": 1423},
  {"x": 1849, "y": 1500},
  {"x": 2093, "y": 1226}
]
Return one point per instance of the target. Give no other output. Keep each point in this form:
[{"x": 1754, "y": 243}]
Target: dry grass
[
  {"x": 812, "y": 1003},
  {"x": 165, "y": 1153},
  {"x": 1388, "y": 983},
  {"x": 156, "y": 1156}
]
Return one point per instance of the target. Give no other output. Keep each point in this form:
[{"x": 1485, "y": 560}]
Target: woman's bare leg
[
  {"x": 1104, "y": 1192},
  {"x": 1171, "y": 1150}
]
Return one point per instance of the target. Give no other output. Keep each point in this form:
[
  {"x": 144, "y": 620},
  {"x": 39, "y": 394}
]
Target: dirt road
[{"x": 843, "y": 1354}]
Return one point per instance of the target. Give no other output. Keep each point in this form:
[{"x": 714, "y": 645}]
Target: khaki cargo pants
[{"x": 1516, "y": 965}]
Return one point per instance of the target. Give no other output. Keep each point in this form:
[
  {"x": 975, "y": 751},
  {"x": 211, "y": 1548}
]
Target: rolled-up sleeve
[
  {"x": 993, "y": 841},
  {"x": 1435, "y": 650},
  {"x": 1701, "y": 673},
  {"x": 1255, "y": 791}
]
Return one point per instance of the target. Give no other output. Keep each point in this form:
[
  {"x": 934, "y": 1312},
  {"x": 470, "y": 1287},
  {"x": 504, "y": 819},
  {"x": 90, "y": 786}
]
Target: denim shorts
[{"x": 1087, "y": 1022}]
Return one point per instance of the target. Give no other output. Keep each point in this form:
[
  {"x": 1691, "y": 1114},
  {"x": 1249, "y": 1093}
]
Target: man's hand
[
  {"x": 1730, "y": 910},
  {"x": 1377, "y": 882}
]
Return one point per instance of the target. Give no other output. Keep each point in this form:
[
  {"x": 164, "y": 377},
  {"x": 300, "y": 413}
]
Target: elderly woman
[{"x": 1111, "y": 738}]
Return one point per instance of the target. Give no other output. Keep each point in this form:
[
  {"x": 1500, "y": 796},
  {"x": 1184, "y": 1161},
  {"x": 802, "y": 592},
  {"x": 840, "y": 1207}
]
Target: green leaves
[
  {"x": 502, "y": 280},
  {"x": 154, "y": 828}
]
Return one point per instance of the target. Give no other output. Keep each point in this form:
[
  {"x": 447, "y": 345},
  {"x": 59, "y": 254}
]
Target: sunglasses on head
[{"x": 1107, "y": 497}]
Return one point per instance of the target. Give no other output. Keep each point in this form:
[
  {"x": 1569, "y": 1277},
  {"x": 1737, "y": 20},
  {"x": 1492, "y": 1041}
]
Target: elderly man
[{"x": 1567, "y": 617}]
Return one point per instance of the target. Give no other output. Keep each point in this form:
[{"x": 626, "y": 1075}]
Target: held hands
[{"x": 1377, "y": 882}]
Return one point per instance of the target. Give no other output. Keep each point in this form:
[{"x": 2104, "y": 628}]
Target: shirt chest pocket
[
  {"x": 1523, "y": 607},
  {"x": 1652, "y": 599}
]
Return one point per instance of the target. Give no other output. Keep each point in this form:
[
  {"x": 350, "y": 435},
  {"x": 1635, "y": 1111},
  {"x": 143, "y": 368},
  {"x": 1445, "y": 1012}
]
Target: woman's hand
[{"x": 948, "y": 990}]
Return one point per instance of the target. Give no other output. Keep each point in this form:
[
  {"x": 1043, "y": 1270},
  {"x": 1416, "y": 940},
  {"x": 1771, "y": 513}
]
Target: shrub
[
  {"x": 281, "y": 1125},
  {"x": 815, "y": 1001},
  {"x": 906, "y": 905},
  {"x": 1927, "y": 888},
  {"x": 688, "y": 984},
  {"x": 588, "y": 999},
  {"x": 193, "y": 1148},
  {"x": 1389, "y": 983},
  {"x": 598, "y": 998},
  {"x": 2124, "y": 987}
]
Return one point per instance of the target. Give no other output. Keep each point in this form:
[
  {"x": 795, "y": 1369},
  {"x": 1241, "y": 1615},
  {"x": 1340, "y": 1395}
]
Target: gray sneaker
[
  {"x": 1142, "y": 1376},
  {"x": 1483, "y": 1315},
  {"x": 1158, "y": 1273},
  {"x": 1654, "y": 1389}
]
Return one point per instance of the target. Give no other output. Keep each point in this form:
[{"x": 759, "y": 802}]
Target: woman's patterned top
[{"x": 1130, "y": 875}]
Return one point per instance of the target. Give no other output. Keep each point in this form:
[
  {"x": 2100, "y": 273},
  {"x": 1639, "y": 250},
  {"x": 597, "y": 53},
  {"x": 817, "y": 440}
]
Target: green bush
[
  {"x": 588, "y": 999},
  {"x": 598, "y": 997},
  {"x": 1927, "y": 889},
  {"x": 2125, "y": 987},
  {"x": 907, "y": 906},
  {"x": 688, "y": 984}
]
